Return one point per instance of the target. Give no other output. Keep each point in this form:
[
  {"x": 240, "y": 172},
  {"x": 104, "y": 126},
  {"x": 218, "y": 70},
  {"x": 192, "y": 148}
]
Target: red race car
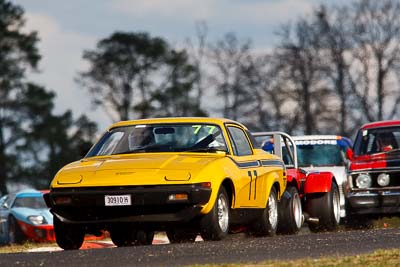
[{"x": 314, "y": 193}]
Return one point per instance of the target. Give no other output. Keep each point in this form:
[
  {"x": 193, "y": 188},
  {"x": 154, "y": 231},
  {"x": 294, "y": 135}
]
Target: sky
[{"x": 67, "y": 28}]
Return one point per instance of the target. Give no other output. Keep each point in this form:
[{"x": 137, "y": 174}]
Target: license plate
[{"x": 117, "y": 200}]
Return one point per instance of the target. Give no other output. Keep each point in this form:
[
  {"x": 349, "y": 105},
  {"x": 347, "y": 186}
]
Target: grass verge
[
  {"x": 380, "y": 258},
  {"x": 15, "y": 248},
  {"x": 387, "y": 222}
]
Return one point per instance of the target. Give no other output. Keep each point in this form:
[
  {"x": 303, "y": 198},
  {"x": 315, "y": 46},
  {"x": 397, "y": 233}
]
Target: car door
[{"x": 248, "y": 185}]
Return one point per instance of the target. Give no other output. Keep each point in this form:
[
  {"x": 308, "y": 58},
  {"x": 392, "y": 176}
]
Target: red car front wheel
[{"x": 15, "y": 234}]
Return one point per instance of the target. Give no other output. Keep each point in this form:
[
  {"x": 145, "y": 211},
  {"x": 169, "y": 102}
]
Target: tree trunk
[{"x": 3, "y": 172}]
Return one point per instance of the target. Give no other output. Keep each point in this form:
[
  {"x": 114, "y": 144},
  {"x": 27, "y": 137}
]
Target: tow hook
[
  {"x": 313, "y": 220},
  {"x": 309, "y": 219}
]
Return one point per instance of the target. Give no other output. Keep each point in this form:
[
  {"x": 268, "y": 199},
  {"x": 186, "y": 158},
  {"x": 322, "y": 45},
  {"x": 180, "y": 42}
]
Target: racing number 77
[{"x": 251, "y": 181}]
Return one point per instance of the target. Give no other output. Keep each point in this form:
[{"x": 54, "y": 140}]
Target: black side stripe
[
  {"x": 248, "y": 164},
  {"x": 272, "y": 163},
  {"x": 258, "y": 163},
  {"x": 251, "y": 181},
  {"x": 255, "y": 184}
]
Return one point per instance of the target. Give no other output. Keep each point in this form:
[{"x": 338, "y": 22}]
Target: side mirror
[
  {"x": 5, "y": 205},
  {"x": 349, "y": 153}
]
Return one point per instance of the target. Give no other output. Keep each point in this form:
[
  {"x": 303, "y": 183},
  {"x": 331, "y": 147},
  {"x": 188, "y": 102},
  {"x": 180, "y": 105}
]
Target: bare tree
[
  {"x": 375, "y": 58},
  {"x": 300, "y": 74},
  {"x": 177, "y": 95},
  {"x": 228, "y": 58},
  {"x": 335, "y": 26},
  {"x": 197, "y": 53},
  {"x": 265, "y": 110}
]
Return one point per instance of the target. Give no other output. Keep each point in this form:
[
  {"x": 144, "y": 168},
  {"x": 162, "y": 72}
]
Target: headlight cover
[
  {"x": 37, "y": 219},
  {"x": 363, "y": 180},
  {"x": 383, "y": 179}
]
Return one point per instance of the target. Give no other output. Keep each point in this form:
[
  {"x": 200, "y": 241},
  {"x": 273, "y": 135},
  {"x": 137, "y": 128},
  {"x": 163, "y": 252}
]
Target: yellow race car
[{"x": 185, "y": 176}]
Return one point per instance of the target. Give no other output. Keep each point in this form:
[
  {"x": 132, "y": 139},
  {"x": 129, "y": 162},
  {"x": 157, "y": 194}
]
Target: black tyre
[
  {"x": 215, "y": 224},
  {"x": 144, "y": 237},
  {"x": 357, "y": 221},
  {"x": 68, "y": 236},
  {"x": 124, "y": 236},
  {"x": 180, "y": 236},
  {"x": 15, "y": 234},
  {"x": 325, "y": 207},
  {"x": 290, "y": 213},
  {"x": 267, "y": 223}
]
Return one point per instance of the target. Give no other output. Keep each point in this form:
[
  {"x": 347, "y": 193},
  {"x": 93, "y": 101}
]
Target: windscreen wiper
[{"x": 206, "y": 149}]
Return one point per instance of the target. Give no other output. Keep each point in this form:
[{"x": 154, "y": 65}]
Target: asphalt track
[{"x": 236, "y": 249}]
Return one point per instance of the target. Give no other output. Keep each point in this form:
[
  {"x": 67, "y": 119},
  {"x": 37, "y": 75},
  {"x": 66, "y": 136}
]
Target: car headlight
[
  {"x": 37, "y": 219},
  {"x": 363, "y": 180},
  {"x": 383, "y": 179}
]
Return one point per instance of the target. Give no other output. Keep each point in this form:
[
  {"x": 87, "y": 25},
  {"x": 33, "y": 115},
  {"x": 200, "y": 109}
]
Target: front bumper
[
  {"x": 149, "y": 204},
  {"x": 38, "y": 233},
  {"x": 374, "y": 201}
]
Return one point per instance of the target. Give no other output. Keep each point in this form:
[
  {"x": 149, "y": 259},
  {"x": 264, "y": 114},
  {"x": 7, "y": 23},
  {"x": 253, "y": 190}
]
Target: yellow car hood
[{"x": 137, "y": 169}]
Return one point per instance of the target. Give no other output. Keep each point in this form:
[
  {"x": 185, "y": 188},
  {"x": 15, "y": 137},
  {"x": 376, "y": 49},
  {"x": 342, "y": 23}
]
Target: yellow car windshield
[{"x": 160, "y": 138}]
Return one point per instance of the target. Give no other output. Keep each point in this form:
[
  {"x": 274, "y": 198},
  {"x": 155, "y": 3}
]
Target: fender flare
[
  {"x": 279, "y": 187},
  {"x": 230, "y": 188},
  {"x": 318, "y": 182},
  {"x": 290, "y": 179}
]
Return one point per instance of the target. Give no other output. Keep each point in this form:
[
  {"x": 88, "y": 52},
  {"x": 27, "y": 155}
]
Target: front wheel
[
  {"x": 215, "y": 224},
  {"x": 267, "y": 223},
  {"x": 144, "y": 237},
  {"x": 325, "y": 207},
  {"x": 15, "y": 234},
  {"x": 290, "y": 212},
  {"x": 357, "y": 221},
  {"x": 68, "y": 236},
  {"x": 124, "y": 235},
  {"x": 180, "y": 236}
]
